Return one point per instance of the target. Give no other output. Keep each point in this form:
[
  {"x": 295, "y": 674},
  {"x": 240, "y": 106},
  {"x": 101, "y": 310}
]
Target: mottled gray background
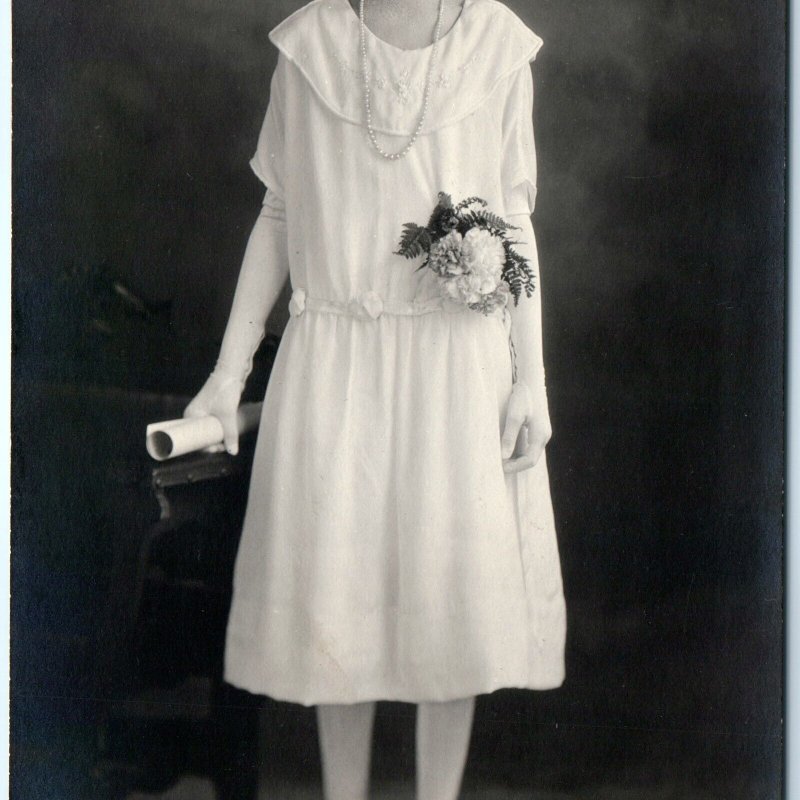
[{"x": 660, "y": 133}]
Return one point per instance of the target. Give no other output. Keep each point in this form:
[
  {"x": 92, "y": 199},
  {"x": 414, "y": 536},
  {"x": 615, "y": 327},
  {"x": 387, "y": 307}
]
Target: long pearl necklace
[{"x": 425, "y": 97}]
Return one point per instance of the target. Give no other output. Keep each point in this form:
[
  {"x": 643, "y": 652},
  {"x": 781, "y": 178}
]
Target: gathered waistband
[{"x": 371, "y": 305}]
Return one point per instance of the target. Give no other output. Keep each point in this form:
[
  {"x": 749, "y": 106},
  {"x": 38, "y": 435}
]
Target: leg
[
  {"x": 345, "y": 740},
  {"x": 443, "y": 732}
]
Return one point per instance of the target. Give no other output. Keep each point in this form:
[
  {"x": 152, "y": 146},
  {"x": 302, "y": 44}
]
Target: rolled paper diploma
[{"x": 176, "y": 437}]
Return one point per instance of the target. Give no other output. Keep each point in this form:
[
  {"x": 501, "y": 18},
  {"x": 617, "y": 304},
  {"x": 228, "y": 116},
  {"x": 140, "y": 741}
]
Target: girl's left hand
[{"x": 526, "y": 432}]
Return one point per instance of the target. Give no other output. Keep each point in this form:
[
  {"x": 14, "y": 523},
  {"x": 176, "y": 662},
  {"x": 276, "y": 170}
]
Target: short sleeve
[
  {"x": 268, "y": 160},
  {"x": 519, "y": 149}
]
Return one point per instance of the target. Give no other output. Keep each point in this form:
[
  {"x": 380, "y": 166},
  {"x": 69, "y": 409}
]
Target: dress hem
[{"x": 546, "y": 683}]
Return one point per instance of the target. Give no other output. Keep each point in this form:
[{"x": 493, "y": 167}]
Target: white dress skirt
[{"x": 385, "y": 554}]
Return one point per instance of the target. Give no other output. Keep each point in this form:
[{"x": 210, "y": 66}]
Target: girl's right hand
[{"x": 219, "y": 398}]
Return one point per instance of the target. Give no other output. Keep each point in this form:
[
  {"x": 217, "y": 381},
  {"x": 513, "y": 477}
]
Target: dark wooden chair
[{"x": 159, "y": 666}]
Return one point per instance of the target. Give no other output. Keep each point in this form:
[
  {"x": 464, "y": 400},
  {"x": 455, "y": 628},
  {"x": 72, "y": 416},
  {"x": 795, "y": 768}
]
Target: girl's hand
[
  {"x": 526, "y": 432},
  {"x": 219, "y": 398}
]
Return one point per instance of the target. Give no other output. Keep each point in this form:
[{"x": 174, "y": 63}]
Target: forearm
[
  {"x": 262, "y": 276},
  {"x": 526, "y": 318}
]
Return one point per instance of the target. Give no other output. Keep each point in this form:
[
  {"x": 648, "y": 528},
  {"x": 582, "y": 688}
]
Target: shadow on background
[{"x": 660, "y": 134}]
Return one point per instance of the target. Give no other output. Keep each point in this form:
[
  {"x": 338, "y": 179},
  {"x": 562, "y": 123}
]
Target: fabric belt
[{"x": 370, "y": 305}]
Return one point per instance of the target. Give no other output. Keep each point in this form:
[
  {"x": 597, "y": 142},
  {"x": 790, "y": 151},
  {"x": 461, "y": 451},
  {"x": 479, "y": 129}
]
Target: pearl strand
[{"x": 425, "y": 97}]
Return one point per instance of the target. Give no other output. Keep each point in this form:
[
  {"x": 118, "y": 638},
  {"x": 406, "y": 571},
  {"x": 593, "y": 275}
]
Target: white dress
[{"x": 385, "y": 554}]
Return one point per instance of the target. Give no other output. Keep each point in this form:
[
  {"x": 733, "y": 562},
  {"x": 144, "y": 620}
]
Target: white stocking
[
  {"x": 443, "y": 733},
  {"x": 345, "y": 739}
]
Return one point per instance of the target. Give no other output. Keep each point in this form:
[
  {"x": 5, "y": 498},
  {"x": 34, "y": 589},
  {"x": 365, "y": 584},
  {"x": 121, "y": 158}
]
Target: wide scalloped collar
[{"x": 486, "y": 44}]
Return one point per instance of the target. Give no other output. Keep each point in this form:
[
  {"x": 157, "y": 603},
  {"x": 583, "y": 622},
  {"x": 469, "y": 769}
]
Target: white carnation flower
[
  {"x": 445, "y": 255},
  {"x": 460, "y": 289},
  {"x": 482, "y": 257},
  {"x": 498, "y": 299}
]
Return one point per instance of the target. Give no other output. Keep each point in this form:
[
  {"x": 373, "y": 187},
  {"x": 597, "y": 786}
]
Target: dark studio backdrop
[{"x": 660, "y": 136}]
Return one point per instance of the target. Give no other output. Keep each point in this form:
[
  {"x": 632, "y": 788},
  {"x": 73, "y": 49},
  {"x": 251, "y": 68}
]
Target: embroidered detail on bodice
[
  {"x": 402, "y": 85},
  {"x": 486, "y": 44}
]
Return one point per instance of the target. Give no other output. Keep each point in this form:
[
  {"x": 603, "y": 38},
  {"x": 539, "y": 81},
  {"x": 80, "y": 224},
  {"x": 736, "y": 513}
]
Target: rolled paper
[{"x": 177, "y": 437}]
